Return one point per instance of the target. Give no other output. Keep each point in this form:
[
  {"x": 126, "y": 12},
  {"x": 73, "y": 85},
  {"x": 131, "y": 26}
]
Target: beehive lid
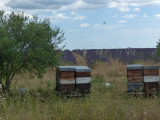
[
  {"x": 82, "y": 69},
  {"x": 134, "y": 67},
  {"x": 154, "y": 67},
  {"x": 66, "y": 68}
]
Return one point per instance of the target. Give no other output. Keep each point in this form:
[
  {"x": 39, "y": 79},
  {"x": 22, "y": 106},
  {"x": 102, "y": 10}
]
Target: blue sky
[{"x": 98, "y": 24}]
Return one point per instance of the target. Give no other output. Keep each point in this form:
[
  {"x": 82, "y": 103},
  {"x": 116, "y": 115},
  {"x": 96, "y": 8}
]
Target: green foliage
[
  {"x": 158, "y": 48},
  {"x": 27, "y": 44}
]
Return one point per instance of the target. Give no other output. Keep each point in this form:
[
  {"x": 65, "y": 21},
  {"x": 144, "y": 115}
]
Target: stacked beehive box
[
  {"x": 135, "y": 79},
  {"x": 65, "y": 79},
  {"x": 151, "y": 79},
  {"x": 73, "y": 80},
  {"x": 83, "y": 79}
]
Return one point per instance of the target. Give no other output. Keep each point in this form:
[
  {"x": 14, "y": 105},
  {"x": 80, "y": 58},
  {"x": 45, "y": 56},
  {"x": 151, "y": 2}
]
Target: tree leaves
[{"x": 27, "y": 44}]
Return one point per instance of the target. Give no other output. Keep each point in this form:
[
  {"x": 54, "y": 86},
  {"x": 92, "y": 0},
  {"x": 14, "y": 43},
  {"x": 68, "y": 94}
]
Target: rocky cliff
[{"x": 128, "y": 55}]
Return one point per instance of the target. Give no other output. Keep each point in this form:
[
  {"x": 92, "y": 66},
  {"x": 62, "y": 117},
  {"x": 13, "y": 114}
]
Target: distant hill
[{"x": 128, "y": 55}]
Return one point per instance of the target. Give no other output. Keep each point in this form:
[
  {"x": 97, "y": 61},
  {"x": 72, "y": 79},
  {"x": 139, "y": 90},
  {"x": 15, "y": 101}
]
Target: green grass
[{"x": 104, "y": 103}]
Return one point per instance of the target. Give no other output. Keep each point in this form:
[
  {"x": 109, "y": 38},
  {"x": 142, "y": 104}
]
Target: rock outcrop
[{"x": 128, "y": 55}]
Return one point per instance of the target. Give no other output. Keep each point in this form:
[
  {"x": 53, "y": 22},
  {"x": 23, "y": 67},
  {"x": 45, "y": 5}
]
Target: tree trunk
[
  {"x": 3, "y": 89},
  {"x": 8, "y": 82},
  {"x": 6, "y": 87}
]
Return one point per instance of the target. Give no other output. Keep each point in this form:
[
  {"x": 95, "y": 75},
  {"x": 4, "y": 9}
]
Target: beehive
[
  {"x": 65, "y": 79},
  {"x": 151, "y": 79},
  {"x": 83, "y": 79},
  {"x": 135, "y": 78}
]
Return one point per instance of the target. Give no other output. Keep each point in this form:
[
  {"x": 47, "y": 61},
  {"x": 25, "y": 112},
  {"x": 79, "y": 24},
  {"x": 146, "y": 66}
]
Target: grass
[{"x": 105, "y": 103}]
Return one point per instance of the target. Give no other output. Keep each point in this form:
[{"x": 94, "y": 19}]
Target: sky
[{"x": 97, "y": 24}]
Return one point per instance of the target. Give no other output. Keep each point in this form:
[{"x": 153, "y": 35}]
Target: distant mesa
[
  {"x": 127, "y": 55},
  {"x": 67, "y": 56}
]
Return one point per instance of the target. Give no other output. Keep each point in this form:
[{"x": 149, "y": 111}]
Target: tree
[
  {"x": 158, "y": 48},
  {"x": 26, "y": 44}
]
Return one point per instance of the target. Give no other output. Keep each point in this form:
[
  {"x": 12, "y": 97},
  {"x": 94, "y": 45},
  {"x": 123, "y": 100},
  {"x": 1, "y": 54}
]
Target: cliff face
[
  {"x": 128, "y": 55},
  {"x": 67, "y": 56}
]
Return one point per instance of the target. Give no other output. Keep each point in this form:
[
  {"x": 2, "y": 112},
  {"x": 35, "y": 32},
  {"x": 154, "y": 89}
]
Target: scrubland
[{"x": 104, "y": 103}]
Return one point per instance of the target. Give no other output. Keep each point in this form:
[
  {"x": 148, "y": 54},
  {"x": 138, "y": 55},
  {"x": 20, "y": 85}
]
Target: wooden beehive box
[
  {"x": 135, "y": 78},
  {"x": 83, "y": 79},
  {"x": 65, "y": 79},
  {"x": 151, "y": 79},
  {"x": 135, "y": 73}
]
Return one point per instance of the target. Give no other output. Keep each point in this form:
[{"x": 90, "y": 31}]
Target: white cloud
[
  {"x": 73, "y": 13},
  {"x": 136, "y": 9},
  {"x": 83, "y": 4},
  {"x": 124, "y": 9},
  {"x": 84, "y": 25},
  {"x": 28, "y": 15},
  {"x": 134, "y": 4},
  {"x": 113, "y": 5},
  {"x": 3, "y": 6},
  {"x": 96, "y": 25},
  {"x": 74, "y": 5},
  {"x": 137, "y": 3},
  {"x": 60, "y": 16},
  {"x": 63, "y": 16},
  {"x": 122, "y": 21},
  {"x": 145, "y": 15},
  {"x": 157, "y": 15},
  {"x": 129, "y": 16},
  {"x": 122, "y": 6},
  {"x": 78, "y": 17}
]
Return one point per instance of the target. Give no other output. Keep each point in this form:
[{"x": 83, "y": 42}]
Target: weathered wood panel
[
  {"x": 67, "y": 79},
  {"x": 83, "y": 74},
  {"x": 134, "y": 73},
  {"x": 67, "y": 89},
  {"x": 135, "y": 79},
  {"x": 151, "y": 78},
  {"x": 83, "y": 88},
  {"x": 151, "y": 72},
  {"x": 67, "y": 74},
  {"x": 151, "y": 87}
]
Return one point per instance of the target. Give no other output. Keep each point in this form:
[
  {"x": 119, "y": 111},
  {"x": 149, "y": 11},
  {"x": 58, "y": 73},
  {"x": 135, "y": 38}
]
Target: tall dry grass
[
  {"x": 80, "y": 60},
  {"x": 113, "y": 69},
  {"x": 105, "y": 103}
]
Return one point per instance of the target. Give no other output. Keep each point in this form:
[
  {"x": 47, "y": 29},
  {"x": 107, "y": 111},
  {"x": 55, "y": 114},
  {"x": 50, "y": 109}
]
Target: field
[{"x": 105, "y": 103}]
